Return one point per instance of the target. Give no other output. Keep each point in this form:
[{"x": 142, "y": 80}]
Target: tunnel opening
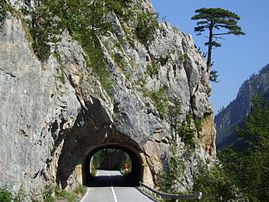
[
  {"x": 111, "y": 159},
  {"x": 104, "y": 159}
]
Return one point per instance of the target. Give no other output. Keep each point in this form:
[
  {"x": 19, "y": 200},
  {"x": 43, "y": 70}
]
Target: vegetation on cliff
[
  {"x": 2, "y": 11},
  {"x": 86, "y": 22},
  {"x": 215, "y": 183},
  {"x": 54, "y": 194},
  {"x": 50, "y": 194},
  {"x": 243, "y": 170},
  {"x": 173, "y": 171},
  {"x": 240, "y": 173}
]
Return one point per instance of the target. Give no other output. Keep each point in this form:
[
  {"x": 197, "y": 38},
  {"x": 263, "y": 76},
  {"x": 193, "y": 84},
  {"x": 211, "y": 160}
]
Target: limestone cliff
[{"x": 62, "y": 98}]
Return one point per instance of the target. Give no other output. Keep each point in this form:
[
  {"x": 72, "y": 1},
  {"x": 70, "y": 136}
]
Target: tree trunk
[{"x": 210, "y": 45}]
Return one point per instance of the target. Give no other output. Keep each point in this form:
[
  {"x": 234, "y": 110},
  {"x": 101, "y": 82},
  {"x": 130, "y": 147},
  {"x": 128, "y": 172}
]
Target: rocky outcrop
[
  {"x": 232, "y": 116},
  {"x": 53, "y": 113}
]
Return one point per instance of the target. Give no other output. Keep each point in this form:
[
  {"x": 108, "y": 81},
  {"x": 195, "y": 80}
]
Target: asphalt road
[{"x": 110, "y": 186}]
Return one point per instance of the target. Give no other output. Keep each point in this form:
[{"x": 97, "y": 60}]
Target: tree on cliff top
[{"x": 224, "y": 21}]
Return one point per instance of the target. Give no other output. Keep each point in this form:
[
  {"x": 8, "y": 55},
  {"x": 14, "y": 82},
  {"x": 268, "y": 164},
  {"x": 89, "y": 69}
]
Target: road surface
[{"x": 109, "y": 186}]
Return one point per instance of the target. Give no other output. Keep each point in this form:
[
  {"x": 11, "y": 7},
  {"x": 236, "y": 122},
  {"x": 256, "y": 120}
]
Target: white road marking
[
  {"x": 85, "y": 196},
  {"x": 114, "y": 195}
]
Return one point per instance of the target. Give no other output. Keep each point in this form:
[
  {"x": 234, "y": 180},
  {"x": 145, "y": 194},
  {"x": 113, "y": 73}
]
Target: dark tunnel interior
[{"x": 132, "y": 179}]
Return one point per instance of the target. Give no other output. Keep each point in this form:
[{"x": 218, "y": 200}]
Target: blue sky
[{"x": 239, "y": 57}]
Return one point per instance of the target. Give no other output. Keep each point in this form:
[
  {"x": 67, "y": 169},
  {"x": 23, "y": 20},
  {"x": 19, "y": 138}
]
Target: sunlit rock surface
[{"x": 54, "y": 113}]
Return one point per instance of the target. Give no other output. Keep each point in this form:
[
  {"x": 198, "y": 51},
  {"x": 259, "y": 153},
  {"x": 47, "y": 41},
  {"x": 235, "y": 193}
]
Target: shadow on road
[{"x": 114, "y": 180}]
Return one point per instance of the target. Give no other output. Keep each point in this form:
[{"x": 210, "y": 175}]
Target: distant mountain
[{"x": 227, "y": 120}]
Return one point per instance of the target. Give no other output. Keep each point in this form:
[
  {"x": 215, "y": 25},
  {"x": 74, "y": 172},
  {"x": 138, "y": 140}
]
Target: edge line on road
[{"x": 83, "y": 198}]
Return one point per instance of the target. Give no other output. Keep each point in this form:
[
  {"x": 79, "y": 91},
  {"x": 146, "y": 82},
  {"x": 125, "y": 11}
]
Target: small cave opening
[{"x": 112, "y": 165}]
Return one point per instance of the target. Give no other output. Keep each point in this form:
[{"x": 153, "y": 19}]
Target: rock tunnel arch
[
  {"x": 134, "y": 177},
  {"x": 94, "y": 130},
  {"x": 81, "y": 143}
]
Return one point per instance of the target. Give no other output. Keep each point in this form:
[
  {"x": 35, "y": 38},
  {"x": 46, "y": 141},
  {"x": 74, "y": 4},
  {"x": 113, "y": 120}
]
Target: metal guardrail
[{"x": 196, "y": 196}]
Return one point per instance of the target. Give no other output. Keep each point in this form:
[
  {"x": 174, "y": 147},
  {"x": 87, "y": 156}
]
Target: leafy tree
[
  {"x": 211, "y": 19},
  {"x": 215, "y": 183}
]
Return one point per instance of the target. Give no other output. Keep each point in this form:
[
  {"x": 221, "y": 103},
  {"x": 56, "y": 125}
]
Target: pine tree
[
  {"x": 249, "y": 165},
  {"x": 224, "y": 21}
]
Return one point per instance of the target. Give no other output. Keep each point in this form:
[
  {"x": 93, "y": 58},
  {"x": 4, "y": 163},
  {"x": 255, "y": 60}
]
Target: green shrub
[
  {"x": 80, "y": 190},
  {"x": 60, "y": 70},
  {"x": 96, "y": 61},
  {"x": 147, "y": 23},
  {"x": 163, "y": 60},
  {"x": 19, "y": 196},
  {"x": 199, "y": 123},
  {"x": 121, "y": 63},
  {"x": 119, "y": 7},
  {"x": 54, "y": 193},
  {"x": 185, "y": 129},
  {"x": 173, "y": 171},
  {"x": 214, "y": 183},
  {"x": 5, "y": 195},
  {"x": 160, "y": 101},
  {"x": 128, "y": 76},
  {"x": 183, "y": 57},
  {"x": 152, "y": 69},
  {"x": 3, "y": 13},
  {"x": 187, "y": 132},
  {"x": 48, "y": 194},
  {"x": 93, "y": 170},
  {"x": 44, "y": 28},
  {"x": 63, "y": 194}
]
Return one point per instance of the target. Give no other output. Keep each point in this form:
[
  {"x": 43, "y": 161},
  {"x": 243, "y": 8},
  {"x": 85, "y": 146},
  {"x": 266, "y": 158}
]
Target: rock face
[
  {"x": 35, "y": 106},
  {"x": 56, "y": 112},
  {"x": 232, "y": 116}
]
